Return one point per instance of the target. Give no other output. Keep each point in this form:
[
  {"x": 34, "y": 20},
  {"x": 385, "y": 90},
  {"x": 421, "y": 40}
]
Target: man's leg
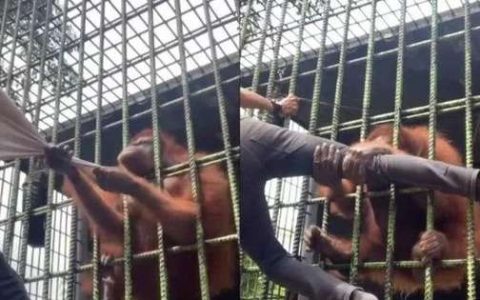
[
  {"x": 417, "y": 171},
  {"x": 283, "y": 152},
  {"x": 258, "y": 240},
  {"x": 11, "y": 286},
  {"x": 288, "y": 153}
]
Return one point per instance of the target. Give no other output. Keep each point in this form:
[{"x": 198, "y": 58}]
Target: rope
[
  {"x": 162, "y": 269},
  {"x": 191, "y": 159}
]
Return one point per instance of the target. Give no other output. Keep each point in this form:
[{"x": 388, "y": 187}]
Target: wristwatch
[{"x": 277, "y": 108}]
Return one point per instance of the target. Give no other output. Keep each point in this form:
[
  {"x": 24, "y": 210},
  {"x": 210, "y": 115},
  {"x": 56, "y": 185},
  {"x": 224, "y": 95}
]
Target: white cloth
[{"x": 18, "y": 137}]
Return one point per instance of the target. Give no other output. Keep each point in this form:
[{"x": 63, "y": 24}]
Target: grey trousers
[{"x": 269, "y": 151}]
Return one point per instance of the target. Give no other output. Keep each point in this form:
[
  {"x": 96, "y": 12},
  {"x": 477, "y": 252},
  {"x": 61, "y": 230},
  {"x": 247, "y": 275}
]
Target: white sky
[
  {"x": 388, "y": 16},
  {"x": 197, "y": 49}
]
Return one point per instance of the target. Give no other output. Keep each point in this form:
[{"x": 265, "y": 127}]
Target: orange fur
[
  {"x": 450, "y": 214},
  {"x": 182, "y": 268}
]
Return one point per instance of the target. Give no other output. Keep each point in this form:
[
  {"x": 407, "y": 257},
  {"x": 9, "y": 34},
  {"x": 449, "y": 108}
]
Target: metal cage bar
[
  {"x": 399, "y": 73},
  {"x": 163, "y": 276},
  {"x": 191, "y": 160},
  {"x": 362, "y": 34},
  {"x": 470, "y": 221},
  {"x": 54, "y": 139},
  {"x": 73, "y": 67}
]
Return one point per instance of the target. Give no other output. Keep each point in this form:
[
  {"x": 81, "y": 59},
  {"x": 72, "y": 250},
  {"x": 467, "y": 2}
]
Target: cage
[
  {"x": 90, "y": 74},
  {"x": 354, "y": 65}
]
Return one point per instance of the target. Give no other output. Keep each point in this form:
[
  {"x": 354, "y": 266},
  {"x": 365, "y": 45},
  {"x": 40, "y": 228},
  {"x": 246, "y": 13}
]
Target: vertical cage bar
[
  {"x": 264, "y": 116},
  {"x": 223, "y": 120},
  {"x": 193, "y": 168},
  {"x": 27, "y": 204},
  {"x": 338, "y": 96},
  {"x": 291, "y": 90},
  {"x": 367, "y": 94},
  {"x": 26, "y": 95},
  {"x": 98, "y": 146},
  {"x": 72, "y": 256},
  {"x": 390, "y": 247},
  {"x": 274, "y": 65},
  {"x": 432, "y": 125},
  {"x": 127, "y": 238},
  {"x": 51, "y": 175},
  {"x": 261, "y": 48},
  {"x": 232, "y": 179},
  {"x": 13, "y": 51},
  {"x": 317, "y": 91},
  {"x": 243, "y": 30},
  {"x": 470, "y": 266},
  {"x": 292, "y": 87},
  {"x": 4, "y": 24},
  {"x": 163, "y": 292},
  {"x": 340, "y": 75},
  {"x": 12, "y": 203}
]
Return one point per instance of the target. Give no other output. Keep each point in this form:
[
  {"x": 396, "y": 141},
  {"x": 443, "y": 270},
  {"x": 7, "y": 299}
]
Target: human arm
[{"x": 286, "y": 107}]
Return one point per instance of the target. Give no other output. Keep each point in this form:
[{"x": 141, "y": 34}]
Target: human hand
[{"x": 289, "y": 105}]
